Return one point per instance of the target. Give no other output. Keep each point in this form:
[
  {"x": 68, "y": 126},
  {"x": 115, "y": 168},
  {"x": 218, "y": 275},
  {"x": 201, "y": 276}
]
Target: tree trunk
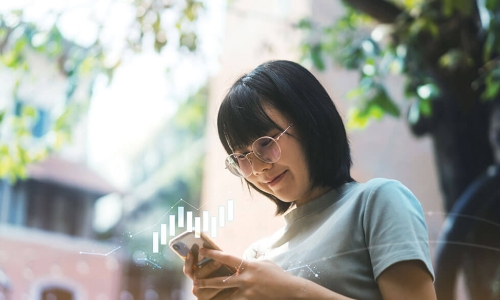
[{"x": 460, "y": 135}]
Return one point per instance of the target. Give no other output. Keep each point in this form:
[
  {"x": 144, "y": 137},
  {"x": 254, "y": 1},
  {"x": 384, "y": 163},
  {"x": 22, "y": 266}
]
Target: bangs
[{"x": 242, "y": 118}]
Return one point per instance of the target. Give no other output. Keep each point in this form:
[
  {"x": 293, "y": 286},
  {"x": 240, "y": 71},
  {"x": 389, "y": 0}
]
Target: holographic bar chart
[
  {"x": 155, "y": 242},
  {"x": 206, "y": 220},
  {"x": 205, "y": 223}
]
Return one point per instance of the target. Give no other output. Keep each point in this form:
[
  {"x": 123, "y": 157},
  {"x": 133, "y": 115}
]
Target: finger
[
  {"x": 217, "y": 282},
  {"x": 207, "y": 269},
  {"x": 188, "y": 266},
  {"x": 221, "y": 257}
]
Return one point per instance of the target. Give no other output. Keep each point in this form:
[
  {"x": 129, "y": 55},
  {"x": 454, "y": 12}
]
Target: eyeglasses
[{"x": 264, "y": 148}]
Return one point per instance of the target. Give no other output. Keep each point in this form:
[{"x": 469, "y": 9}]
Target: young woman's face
[{"x": 288, "y": 178}]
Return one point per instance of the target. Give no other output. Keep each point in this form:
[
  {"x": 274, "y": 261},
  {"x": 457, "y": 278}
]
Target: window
[{"x": 57, "y": 294}]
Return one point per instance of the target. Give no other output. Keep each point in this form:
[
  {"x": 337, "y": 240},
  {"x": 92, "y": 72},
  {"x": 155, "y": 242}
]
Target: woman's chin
[{"x": 284, "y": 197}]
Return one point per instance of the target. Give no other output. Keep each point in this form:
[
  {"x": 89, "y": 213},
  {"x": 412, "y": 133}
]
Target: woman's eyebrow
[
  {"x": 242, "y": 150},
  {"x": 269, "y": 133}
]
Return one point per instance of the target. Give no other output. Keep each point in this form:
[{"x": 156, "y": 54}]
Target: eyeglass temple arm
[{"x": 279, "y": 136}]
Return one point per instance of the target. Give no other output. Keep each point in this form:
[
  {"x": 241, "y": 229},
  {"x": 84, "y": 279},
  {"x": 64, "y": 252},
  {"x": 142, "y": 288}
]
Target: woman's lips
[{"x": 277, "y": 179}]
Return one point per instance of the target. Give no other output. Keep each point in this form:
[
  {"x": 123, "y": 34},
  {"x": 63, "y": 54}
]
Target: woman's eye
[{"x": 265, "y": 142}]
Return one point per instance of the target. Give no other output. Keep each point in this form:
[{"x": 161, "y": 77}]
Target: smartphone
[{"x": 187, "y": 241}]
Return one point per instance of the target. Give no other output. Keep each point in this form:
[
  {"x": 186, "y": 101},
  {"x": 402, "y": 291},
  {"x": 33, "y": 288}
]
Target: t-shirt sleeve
[
  {"x": 394, "y": 227},
  {"x": 250, "y": 253}
]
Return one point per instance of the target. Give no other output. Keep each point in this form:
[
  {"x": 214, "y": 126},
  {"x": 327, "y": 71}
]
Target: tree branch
[{"x": 381, "y": 10}]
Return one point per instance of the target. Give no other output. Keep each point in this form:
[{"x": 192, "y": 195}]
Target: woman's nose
[{"x": 258, "y": 166}]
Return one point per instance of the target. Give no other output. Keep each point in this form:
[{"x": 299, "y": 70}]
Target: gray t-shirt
[{"x": 344, "y": 239}]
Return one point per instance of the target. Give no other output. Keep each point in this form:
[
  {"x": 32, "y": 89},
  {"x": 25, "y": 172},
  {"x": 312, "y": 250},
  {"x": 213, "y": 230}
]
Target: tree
[
  {"x": 153, "y": 24},
  {"x": 447, "y": 50}
]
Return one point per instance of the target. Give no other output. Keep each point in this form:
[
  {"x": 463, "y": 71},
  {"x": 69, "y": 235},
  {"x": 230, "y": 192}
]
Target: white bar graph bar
[
  {"x": 206, "y": 220},
  {"x": 172, "y": 225},
  {"x": 180, "y": 216},
  {"x": 213, "y": 229},
  {"x": 155, "y": 242},
  {"x": 222, "y": 216},
  {"x": 230, "y": 210},
  {"x": 163, "y": 234},
  {"x": 197, "y": 226},
  {"x": 189, "y": 221}
]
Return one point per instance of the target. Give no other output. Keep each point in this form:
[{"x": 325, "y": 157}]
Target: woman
[{"x": 342, "y": 239}]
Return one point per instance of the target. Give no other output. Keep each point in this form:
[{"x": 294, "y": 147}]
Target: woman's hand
[
  {"x": 254, "y": 280},
  {"x": 198, "y": 273}
]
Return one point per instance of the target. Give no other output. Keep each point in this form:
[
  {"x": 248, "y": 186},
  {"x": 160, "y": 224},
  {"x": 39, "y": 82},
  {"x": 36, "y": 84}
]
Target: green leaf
[
  {"x": 492, "y": 88},
  {"x": 491, "y": 44},
  {"x": 448, "y": 6},
  {"x": 454, "y": 59},
  {"x": 20, "y": 44},
  {"x": 425, "y": 107},
  {"x": 189, "y": 40},
  {"x": 304, "y": 23},
  {"x": 374, "y": 111},
  {"x": 355, "y": 93},
  {"x": 21, "y": 172},
  {"x": 386, "y": 104},
  {"x": 464, "y": 7},
  {"x": 317, "y": 58},
  {"x": 491, "y": 4},
  {"x": 5, "y": 165},
  {"x": 424, "y": 24},
  {"x": 4, "y": 150},
  {"x": 356, "y": 120},
  {"x": 2, "y": 115},
  {"x": 10, "y": 59},
  {"x": 29, "y": 111}
]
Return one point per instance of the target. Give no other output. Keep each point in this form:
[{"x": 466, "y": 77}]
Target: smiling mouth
[{"x": 276, "y": 179}]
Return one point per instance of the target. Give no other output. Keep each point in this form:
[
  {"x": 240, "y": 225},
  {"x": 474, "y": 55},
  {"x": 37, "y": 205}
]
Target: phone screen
[{"x": 188, "y": 242}]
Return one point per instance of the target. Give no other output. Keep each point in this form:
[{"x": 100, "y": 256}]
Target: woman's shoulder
[
  {"x": 383, "y": 191},
  {"x": 381, "y": 185},
  {"x": 378, "y": 191},
  {"x": 376, "y": 183}
]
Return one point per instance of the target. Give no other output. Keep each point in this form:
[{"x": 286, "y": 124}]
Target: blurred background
[{"x": 108, "y": 141}]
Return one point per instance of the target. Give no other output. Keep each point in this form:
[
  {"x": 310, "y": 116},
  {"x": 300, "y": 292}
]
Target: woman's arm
[
  {"x": 265, "y": 280},
  {"x": 406, "y": 280}
]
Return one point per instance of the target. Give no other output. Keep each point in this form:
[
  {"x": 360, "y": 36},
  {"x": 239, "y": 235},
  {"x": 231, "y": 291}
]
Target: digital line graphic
[
  {"x": 148, "y": 261},
  {"x": 301, "y": 267},
  {"x": 100, "y": 254}
]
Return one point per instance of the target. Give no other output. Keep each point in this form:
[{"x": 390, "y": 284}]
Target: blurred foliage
[
  {"x": 80, "y": 66},
  {"x": 407, "y": 46}
]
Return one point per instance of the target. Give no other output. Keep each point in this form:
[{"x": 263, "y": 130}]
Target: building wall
[{"x": 34, "y": 260}]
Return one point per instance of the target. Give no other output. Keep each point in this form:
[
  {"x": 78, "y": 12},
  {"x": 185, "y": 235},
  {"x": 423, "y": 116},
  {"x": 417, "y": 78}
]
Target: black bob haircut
[{"x": 294, "y": 92}]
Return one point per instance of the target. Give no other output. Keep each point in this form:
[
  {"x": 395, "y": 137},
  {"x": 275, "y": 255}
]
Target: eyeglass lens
[{"x": 265, "y": 148}]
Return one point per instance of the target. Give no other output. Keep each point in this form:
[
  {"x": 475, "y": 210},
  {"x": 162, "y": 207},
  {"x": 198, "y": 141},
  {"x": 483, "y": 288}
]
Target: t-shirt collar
[{"x": 319, "y": 203}]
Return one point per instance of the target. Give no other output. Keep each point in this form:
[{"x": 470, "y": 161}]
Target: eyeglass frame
[{"x": 252, "y": 152}]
